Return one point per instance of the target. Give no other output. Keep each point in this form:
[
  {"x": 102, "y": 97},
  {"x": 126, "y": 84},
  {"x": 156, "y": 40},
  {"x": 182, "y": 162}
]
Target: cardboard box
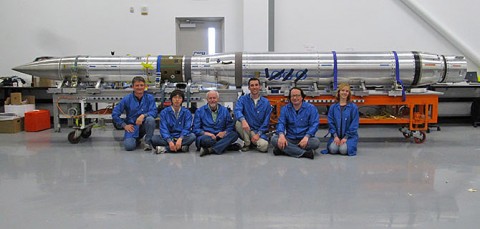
[
  {"x": 29, "y": 99},
  {"x": 42, "y": 82},
  {"x": 12, "y": 124},
  {"x": 15, "y": 98}
]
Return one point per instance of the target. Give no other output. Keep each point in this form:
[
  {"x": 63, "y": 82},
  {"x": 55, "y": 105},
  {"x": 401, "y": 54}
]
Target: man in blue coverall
[
  {"x": 296, "y": 127},
  {"x": 141, "y": 110},
  {"x": 175, "y": 127},
  {"x": 213, "y": 126},
  {"x": 252, "y": 112}
]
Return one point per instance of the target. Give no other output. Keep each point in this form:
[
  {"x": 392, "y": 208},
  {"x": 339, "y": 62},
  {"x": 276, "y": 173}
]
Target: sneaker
[
  {"x": 185, "y": 148},
  {"x": 308, "y": 154},
  {"x": 147, "y": 147},
  {"x": 205, "y": 151},
  {"x": 160, "y": 149},
  {"x": 245, "y": 148}
]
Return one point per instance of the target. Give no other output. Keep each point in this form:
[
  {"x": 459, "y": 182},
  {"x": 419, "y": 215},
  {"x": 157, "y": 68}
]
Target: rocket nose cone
[
  {"x": 27, "y": 69},
  {"x": 44, "y": 69},
  {"x": 20, "y": 68}
]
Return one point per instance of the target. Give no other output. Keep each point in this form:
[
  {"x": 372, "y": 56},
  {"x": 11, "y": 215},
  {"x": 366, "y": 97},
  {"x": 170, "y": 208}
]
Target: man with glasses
[{"x": 296, "y": 127}]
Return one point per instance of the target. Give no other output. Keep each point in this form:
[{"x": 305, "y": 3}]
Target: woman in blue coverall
[{"x": 343, "y": 124}]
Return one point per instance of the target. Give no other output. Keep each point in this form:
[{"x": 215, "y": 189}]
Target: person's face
[
  {"x": 344, "y": 92},
  {"x": 254, "y": 87},
  {"x": 139, "y": 87},
  {"x": 177, "y": 101},
  {"x": 296, "y": 97},
  {"x": 212, "y": 99}
]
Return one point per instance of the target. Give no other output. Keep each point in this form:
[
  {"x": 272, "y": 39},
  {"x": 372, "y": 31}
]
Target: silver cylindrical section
[
  {"x": 432, "y": 69},
  {"x": 456, "y": 69},
  {"x": 213, "y": 70},
  {"x": 279, "y": 66},
  {"x": 106, "y": 68},
  {"x": 223, "y": 70},
  {"x": 371, "y": 68}
]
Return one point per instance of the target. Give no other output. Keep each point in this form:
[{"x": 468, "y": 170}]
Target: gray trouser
[
  {"x": 334, "y": 149},
  {"x": 262, "y": 144},
  {"x": 292, "y": 148}
]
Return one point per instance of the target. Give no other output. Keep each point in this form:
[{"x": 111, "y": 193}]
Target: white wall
[
  {"x": 32, "y": 28},
  {"x": 255, "y": 26},
  {"x": 374, "y": 25}
]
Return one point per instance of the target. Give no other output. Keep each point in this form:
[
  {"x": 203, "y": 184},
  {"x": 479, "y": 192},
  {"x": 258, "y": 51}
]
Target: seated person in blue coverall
[
  {"x": 252, "y": 112},
  {"x": 343, "y": 121},
  {"x": 213, "y": 126},
  {"x": 141, "y": 110},
  {"x": 296, "y": 127},
  {"x": 175, "y": 127}
]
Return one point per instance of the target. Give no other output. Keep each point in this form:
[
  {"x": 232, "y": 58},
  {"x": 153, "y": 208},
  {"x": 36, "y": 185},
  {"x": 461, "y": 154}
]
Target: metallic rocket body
[{"x": 322, "y": 68}]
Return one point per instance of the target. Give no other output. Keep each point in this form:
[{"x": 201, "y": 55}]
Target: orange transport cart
[{"x": 413, "y": 114}]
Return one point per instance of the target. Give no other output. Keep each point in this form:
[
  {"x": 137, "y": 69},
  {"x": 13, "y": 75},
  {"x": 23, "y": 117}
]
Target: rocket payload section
[
  {"x": 390, "y": 74},
  {"x": 370, "y": 69}
]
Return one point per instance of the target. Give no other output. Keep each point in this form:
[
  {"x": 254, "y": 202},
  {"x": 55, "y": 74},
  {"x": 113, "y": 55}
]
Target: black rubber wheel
[
  {"x": 422, "y": 138},
  {"x": 72, "y": 139},
  {"x": 86, "y": 133}
]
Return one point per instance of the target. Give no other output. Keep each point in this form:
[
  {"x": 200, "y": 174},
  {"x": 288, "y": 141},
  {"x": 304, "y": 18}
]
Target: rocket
[{"x": 371, "y": 69}]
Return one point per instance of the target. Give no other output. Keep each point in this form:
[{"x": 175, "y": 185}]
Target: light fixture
[{"x": 188, "y": 25}]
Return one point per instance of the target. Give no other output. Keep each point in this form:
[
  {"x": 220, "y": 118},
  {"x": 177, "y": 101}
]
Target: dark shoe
[
  {"x": 245, "y": 148},
  {"x": 204, "y": 151},
  {"x": 234, "y": 147},
  {"x": 277, "y": 152},
  {"x": 185, "y": 148},
  {"x": 309, "y": 154}
]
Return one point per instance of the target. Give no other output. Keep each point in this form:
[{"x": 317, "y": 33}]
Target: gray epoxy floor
[{"x": 46, "y": 182}]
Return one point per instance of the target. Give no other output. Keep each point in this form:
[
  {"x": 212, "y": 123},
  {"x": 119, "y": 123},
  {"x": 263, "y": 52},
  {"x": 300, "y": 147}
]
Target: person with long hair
[
  {"x": 343, "y": 121},
  {"x": 296, "y": 127}
]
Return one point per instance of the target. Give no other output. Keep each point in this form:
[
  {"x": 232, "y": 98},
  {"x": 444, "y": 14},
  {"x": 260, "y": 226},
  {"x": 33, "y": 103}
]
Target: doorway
[{"x": 199, "y": 35}]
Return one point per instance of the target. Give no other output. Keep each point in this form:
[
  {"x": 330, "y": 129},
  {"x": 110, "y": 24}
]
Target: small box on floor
[
  {"x": 37, "y": 120},
  {"x": 10, "y": 123}
]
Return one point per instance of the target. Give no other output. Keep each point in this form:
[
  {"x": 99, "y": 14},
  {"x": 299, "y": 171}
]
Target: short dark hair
[
  {"x": 253, "y": 79},
  {"x": 301, "y": 92},
  {"x": 137, "y": 79},
  {"x": 179, "y": 93}
]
